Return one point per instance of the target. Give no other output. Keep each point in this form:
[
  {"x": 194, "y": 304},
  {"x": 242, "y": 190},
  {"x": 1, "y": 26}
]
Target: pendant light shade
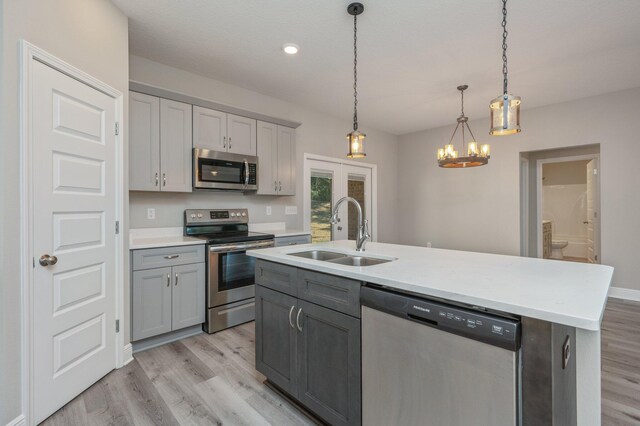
[
  {"x": 474, "y": 156},
  {"x": 505, "y": 109},
  {"x": 355, "y": 139}
]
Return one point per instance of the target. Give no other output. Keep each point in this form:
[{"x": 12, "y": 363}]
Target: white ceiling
[{"x": 412, "y": 53}]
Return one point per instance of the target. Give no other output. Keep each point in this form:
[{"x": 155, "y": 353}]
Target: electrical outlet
[
  {"x": 269, "y": 211},
  {"x": 291, "y": 210},
  {"x": 429, "y": 244},
  {"x": 151, "y": 213}
]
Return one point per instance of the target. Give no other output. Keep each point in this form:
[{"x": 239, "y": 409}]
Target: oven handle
[{"x": 241, "y": 247}]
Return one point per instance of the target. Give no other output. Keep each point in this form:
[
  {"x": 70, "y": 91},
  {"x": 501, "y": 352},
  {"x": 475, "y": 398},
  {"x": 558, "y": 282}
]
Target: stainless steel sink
[
  {"x": 359, "y": 261},
  {"x": 318, "y": 255}
]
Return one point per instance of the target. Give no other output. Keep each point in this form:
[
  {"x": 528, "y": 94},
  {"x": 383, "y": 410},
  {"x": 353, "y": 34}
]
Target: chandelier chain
[
  {"x": 355, "y": 72},
  {"x": 504, "y": 45}
]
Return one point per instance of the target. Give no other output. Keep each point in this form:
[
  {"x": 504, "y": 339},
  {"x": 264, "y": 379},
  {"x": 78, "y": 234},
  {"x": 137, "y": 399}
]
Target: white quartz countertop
[
  {"x": 278, "y": 229},
  {"x": 144, "y": 238},
  {"x": 568, "y": 293}
]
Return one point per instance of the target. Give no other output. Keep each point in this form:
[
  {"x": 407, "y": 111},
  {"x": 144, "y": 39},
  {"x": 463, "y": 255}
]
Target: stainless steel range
[{"x": 230, "y": 272}]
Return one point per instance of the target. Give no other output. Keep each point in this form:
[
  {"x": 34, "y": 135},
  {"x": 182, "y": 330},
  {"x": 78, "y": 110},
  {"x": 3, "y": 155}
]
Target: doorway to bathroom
[{"x": 560, "y": 204}]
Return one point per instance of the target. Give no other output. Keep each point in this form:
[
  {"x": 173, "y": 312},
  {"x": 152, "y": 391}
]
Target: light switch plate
[
  {"x": 151, "y": 213},
  {"x": 291, "y": 210}
]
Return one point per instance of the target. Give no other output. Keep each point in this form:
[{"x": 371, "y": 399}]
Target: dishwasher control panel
[{"x": 487, "y": 328}]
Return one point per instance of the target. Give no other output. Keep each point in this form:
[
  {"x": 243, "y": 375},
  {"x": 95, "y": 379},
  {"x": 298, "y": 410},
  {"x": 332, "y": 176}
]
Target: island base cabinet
[
  {"x": 329, "y": 364},
  {"x": 276, "y": 338},
  {"x": 310, "y": 352}
]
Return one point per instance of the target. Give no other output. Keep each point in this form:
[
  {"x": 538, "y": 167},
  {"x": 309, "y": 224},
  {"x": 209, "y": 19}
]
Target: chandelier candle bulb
[
  {"x": 486, "y": 150},
  {"x": 440, "y": 153},
  {"x": 472, "y": 149}
]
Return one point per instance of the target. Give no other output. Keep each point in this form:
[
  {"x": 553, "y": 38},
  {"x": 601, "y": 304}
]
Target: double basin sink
[{"x": 340, "y": 258}]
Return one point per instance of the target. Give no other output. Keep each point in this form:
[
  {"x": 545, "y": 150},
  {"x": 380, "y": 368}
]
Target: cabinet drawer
[
  {"x": 277, "y": 277},
  {"x": 337, "y": 293},
  {"x": 167, "y": 256},
  {"x": 293, "y": 240}
]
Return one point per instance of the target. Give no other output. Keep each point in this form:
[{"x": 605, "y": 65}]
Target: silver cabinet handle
[
  {"x": 224, "y": 141},
  {"x": 164, "y": 179},
  {"x": 157, "y": 179},
  {"x": 176, "y": 284},
  {"x": 171, "y": 256},
  {"x": 229, "y": 142},
  {"x": 298, "y": 319},
  {"x": 46, "y": 260},
  {"x": 168, "y": 280},
  {"x": 292, "y": 244},
  {"x": 275, "y": 185},
  {"x": 279, "y": 186},
  {"x": 291, "y": 319}
]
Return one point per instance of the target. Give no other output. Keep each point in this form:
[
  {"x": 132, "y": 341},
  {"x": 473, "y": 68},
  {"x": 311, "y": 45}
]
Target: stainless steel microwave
[{"x": 224, "y": 171}]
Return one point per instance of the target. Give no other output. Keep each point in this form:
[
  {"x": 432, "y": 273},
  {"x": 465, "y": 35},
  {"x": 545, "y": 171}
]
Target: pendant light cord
[
  {"x": 355, "y": 72},
  {"x": 504, "y": 45}
]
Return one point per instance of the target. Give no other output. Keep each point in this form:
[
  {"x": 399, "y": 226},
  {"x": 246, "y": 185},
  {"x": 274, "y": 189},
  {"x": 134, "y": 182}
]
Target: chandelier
[{"x": 448, "y": 157}]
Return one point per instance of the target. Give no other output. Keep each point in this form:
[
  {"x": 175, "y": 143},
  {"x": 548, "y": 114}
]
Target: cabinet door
[
  {"x": 267, "y": 158},
  {"x": 329, "y": 364},
  {"x": 209, "y": 129},
  {"x": 144, "y": 142},
  {"x": 241, "y": 135},
  {"x": 286, "y": 161},
  {"x": 276, "y": 338},
  {"x": 188, "y": 299},
  {"x": 175, "y": 146},
  {"x": 151, "y": 303}
]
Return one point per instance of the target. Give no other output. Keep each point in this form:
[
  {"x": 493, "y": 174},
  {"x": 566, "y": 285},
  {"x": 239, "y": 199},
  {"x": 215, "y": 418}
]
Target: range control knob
[
  {"x": 244, "y": 214},
  {"x": 199, "y": 215},
  {"x": 193, "y": 215},
  {"x": 233, "y": 214}
]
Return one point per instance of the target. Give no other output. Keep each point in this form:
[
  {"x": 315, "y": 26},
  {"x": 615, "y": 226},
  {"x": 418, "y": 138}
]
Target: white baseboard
[
  {"x": 18, "y": 421},
  {"x": 127, "y": 354},
  {"x": 624, "y": 293}
]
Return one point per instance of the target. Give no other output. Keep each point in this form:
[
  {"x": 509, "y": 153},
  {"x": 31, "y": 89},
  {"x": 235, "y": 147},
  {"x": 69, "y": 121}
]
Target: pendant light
[
  {"x": 448, "y": 156},
  {"x": 355, "y": 139},
  {"x": 505, "y": 109}
]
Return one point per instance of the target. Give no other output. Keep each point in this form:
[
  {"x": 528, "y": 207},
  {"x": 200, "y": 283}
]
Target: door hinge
[
  {"x": 117, "y": 128},
  {"x": 117, "y": 227},
  {"x": 117, "y": 326},
  {"x": 34, "y": 262}
]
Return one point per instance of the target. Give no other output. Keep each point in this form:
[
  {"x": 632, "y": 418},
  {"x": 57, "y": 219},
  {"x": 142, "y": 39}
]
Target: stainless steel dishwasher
[{"x": 425, "y": 362}]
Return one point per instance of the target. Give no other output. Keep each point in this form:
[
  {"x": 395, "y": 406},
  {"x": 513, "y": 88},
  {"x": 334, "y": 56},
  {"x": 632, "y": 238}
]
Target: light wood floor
[{"x": 211, "y": 380}]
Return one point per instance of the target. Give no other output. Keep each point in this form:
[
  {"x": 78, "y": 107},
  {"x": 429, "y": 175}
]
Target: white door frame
[
  {"x": 30, "y": 53},
  {"x": 539, "y": 164},
  {"x": 306, "y": 195}
]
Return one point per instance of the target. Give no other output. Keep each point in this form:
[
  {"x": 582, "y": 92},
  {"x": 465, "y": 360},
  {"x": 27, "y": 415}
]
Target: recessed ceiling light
[{"x": 290, "y": 48}]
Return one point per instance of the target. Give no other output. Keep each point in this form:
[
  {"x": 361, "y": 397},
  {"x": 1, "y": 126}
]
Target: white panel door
[
  {"x": 241, "y": 135},
  {"x": 593, "y": 220},
  {"x": 144, "y": 142},
  {"x": 286, "y": 161},
  {"x": 209, "y": 129},
  {"x": 267, "y": 158},
  {"x": 175, "y": 146},
  {"x": 74, "y": 204}
]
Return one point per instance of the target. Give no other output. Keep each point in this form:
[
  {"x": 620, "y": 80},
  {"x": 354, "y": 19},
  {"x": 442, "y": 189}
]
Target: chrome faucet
[{"x": 363, "y": 226}]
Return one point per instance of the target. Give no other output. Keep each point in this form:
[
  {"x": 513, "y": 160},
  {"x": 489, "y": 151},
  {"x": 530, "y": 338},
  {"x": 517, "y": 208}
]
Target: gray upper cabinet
[
  {"x": 188, "y": 289},
  {"x": 175, "y": 146},
  {"x": 209, "y": 129},
  {"x": 160, "y": 142},
  {"x": 276, "y": 338},
  {"x": 276, "y": 156},
  {"x": 151, "y": 303},
  {"x": 241, "y": 135},
  {"x": 219, "y": 131},
  {"x": 144, "y": 142},
  {"x": 329, "y": 364}
]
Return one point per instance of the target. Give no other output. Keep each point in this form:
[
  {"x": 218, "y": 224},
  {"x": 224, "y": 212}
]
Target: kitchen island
[{"x": 563, "y": 297}]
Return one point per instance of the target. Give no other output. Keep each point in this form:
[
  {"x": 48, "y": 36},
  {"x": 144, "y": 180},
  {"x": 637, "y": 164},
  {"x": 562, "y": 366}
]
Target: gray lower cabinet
[
  {"x": 310, "y": 351},
  {"x": 168, "y": 298}
]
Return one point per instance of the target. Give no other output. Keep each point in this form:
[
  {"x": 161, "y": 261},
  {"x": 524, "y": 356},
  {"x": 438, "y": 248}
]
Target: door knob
[
  {"x": 46, "y": 260},
  {"x": 339, "y": 228}
]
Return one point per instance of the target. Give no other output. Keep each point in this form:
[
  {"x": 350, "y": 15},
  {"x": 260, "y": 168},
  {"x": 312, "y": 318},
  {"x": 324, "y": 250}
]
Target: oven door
[
  {"x": 222, "y": 170},
  {"x": 231, "y": 273}
]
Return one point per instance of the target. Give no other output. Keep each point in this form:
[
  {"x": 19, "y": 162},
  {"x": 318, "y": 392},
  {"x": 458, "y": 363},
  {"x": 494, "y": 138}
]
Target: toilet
[{"x": 556, "y": 248}]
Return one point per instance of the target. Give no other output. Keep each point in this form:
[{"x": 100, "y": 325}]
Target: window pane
[
  {"x": 355, "y": 188},
  {"x": 321, "y": 188}
]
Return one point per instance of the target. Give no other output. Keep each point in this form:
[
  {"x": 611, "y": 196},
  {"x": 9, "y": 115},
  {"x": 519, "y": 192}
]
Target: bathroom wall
[{"x": 564, "y": 203}]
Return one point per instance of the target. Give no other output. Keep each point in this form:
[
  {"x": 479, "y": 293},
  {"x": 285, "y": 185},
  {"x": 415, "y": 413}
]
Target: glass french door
[{"x": 328, "y": 182}]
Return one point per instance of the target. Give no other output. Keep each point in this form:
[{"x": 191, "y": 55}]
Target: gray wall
[
  {"x": 318, "y": 134},
  {"x": 479, "y": 209},
  {"x": 91, "y": 35}
]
